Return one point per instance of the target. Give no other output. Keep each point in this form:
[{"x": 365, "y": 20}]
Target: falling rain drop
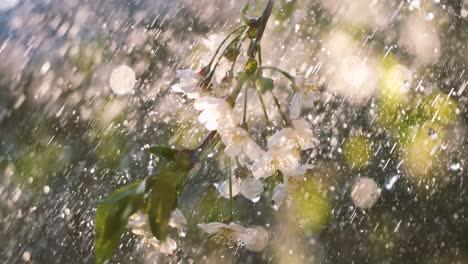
[{"x": 390, "y": 183}]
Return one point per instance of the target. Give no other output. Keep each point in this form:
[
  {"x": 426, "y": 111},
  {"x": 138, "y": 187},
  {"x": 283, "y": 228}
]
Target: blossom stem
[
  {"x": 206, "y": 142},
  {"x": 202, "y": 151},
  {"x": 240, "y": 37},
  {"x": 278, "y": 105},
  {"x": 287, "y": 75},
  {"x": 265, "y": 113},
  {"x": 244, "y": 115},
  {"x": 235, "y": 93},
  {"x": 260, "y": 57},
  {"x": 224, "y": 41},
  {"x": 229, "y": 173},
  {"x": 284, "y": 73},
  {"x": 261, "y": 28}
]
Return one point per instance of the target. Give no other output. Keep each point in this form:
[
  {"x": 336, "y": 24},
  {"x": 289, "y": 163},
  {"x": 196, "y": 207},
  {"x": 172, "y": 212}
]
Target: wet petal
[
  {"x": 295, "y": 106},
  {"x": 253, "y": 150},
  {"x": 254, "y": 238},
  {"x": 251, "y": 188},
  {"x": 223, "y": 188},
  {"x": 177, "y": 220},
  {"x": 279, "y": 195},
  {"x": 263, "y": 168},
  {"x": 212, "y": 228},
  {"x": 168, "y": 246}
]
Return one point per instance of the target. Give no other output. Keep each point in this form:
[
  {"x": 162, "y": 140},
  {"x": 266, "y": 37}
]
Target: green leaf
[
  {"x": 112, "y": 218},
  {"x": 163, "y": 198},
  {"x": 164, "y": 151},
  {"x": 245, "y": 9},
  {"x": 265, "y": 84}
]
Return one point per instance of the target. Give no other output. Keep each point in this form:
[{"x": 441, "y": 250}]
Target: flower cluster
[{"x": 283, "y": 154}]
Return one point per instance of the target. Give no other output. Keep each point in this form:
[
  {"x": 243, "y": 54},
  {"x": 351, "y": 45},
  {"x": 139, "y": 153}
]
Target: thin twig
[{"x": 261, "y": 28}]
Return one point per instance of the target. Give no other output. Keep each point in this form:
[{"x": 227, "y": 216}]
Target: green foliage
[
  {"x": 112, "y": 217},
  {"x": 163, "y": 198},
  {"x": 163, "y": 151},
  {"x": 113, "y": 213},
  {"x": 245, "y": 9}
]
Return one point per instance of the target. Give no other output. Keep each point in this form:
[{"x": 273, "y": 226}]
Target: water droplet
[
  {"x": 429, "y": 16},
  {"x": 455, "y": 166},
  {"x": 391, "y": 182},
  {"x": 256, "y": 199},
  {"x": 406, "y": 84}
]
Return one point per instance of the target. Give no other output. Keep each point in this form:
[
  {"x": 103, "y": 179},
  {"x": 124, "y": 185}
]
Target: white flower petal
[
  {"x": 188, "y": 83},
  {"x": 239, "y": 144},
  {"x": 279, "y": 195},
  {"x": 287, "y": 161},
  {"x": 235, "y": 227},
  {"x": 212, "y": 228},
  {"x": 223, "y": 188},
  {"x": 282, "y": 139},
  {"x": 295, "y": 106},
  {"x": 215, "y": 113},
  {"x": 168, "y": 246},
  {"x": 251, "y": 188},
  {"x": 299, "y": 80},
  {"x": 263, "y": 168},
  {"x": 303, "y": 133},
  {"x": 177, "y": 220},
  {"x": 254, "y": 238},
  {"x": 253, "y": 150}
]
